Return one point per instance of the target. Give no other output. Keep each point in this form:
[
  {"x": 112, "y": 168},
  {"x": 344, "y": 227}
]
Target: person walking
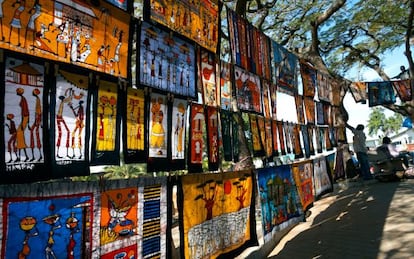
[{"x": 361, "y": 150}]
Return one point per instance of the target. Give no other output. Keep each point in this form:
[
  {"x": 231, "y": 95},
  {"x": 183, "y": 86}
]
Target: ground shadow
[{"x": 351, "y": 227}]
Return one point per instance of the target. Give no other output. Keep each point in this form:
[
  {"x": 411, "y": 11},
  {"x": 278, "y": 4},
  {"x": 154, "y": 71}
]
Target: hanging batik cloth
[
  {"x": 273, "y": 98},
  {"x": 248, "y": 91},
  {"x": 279, "y": 200},
  {"x": 24, "y": 120},
  {"x": 359, "y": 91},
  {"x": 330, "y": 164},
  {"x": 404, "y": 89},
  {"x": 208, "y": 78},
  {"x": 297, "y": 146},
  {"x": 178, "y": 133},
  {"x": 341, "y": 134},
  {"x": 286, "y": 65},
  {"x": 305, "y": 137},
  {"x": 309, "y": 109},
  {"x": 303, "y": 173},
  {"x": 324, "y": 87},
  {"x": 311, "y": 130},
  {"x": 308, "y": 74},
  {"x": 158, "y": 138},
  {"x": 226, "y": 118},
  {"x": 71, "y": 124},
  {"x": 333, "y": 137},
  {"x": 327, "y": 114},
  {"x": 321, "y": 180},
  {"x": 319, "y": 139},
  {"x": 320, "y": 120},
  {"x": 299, "y": 109},
  {"x": 281, "y": 134},
  {"x": 339, "y": 165},
  {"x": 238, "y": 38},
  {"x": 259, "y": 50},
  {"x": 288, "y": 137},
  {"x": 275, "y": 138},
  {"x": 256, "y": 134},
  {"x": 212, "y": 138},
  {"x": 105, "y": 142},
  {"x": 380, "y": 93},
  {"x": 268, "y": 145},
  {"x": 262, "y": 132},
  {"x": 134, "y": 126},
  {"x": 235, "y": 136},
  {"x": 208, "y": 200},
  {"x": 267, "y": 111},
  {"x": 225, "y": 86},
  {"x": 87, "y": 34},
  {"x": 336, "y": 92},
  {"x": 197, "y": 127},
  {"x": 327, "y": 141},
  {"x": 166, "y": 62}
]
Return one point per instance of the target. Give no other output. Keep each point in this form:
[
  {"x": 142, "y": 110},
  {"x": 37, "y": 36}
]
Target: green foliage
[{"x": 379, "y": 122}]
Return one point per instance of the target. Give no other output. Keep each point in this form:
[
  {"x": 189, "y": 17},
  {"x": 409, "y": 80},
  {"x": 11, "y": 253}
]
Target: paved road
[{"x": 366, "y": 220}]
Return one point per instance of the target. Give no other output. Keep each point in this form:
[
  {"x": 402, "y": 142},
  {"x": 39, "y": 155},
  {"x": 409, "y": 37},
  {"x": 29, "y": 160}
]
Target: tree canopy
[
  {"x": 379, "y": 122},
  {"x": 339, "y": 35}
]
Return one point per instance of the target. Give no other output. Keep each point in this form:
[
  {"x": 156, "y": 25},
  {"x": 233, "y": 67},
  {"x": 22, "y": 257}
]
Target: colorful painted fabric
[
  {"x": 196, "y": 142},
  {"x": 167, "y": 63},
  {"x": 212, "y": 138},
  {"x": 380, "y": 93},
  {"x": 359, "y": 91},
  {"x": 275, "y": 138},
  {"x": 309, "y": 109},
  {"x": 87, "y": 35},
  {"x": 311, "y": 133},
  {"x": 273, "y": 98},
  {"x": 257, "y": 138},
  {"x": 286, "y": 64},
  {"x": 339, "y": 165},
  {"x": 288, "y": 136},
  {"x": 207, "y": 75},
  {"x": 330, "y": 163},
  {"x": 71, "y": 125},
  {"x": 267, "y": 109},
  {"x": 208, "y": 200},
  {"x": 134, "y": 126},
  {"x": 297, "y": 145},
  {"x": 178, "y": 134},
  {"x": 106, "y": 121},
  {"x": 320, "y": 119},
  {"x": 226, "y": 118},
  {"x": 336, "y": 93},
  {"x": 320, "y": 138},
  {"x": 281, "y": 134},
  {"x": 321, "y": 181},
  {"x": 327, "y": 140},
  {"x": 188, "y": 20},
  {"x": 268, "y": 145},
  {"x": 235, "y": 136},
  {"x": 248, "y": 91},
  {"x": 308, "y": 74},
  {"x": 303, "y": 175},
  {"x": 324, "y": 87},
  {"x": 24, "y": 117},
  {"x": 225, "y": 86},
  {"x": 306, "y": 140},
  {"x": 279, "y": 200},
  {"x": 403, "y": 88},
  {"x": 299, "y": 109}
]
